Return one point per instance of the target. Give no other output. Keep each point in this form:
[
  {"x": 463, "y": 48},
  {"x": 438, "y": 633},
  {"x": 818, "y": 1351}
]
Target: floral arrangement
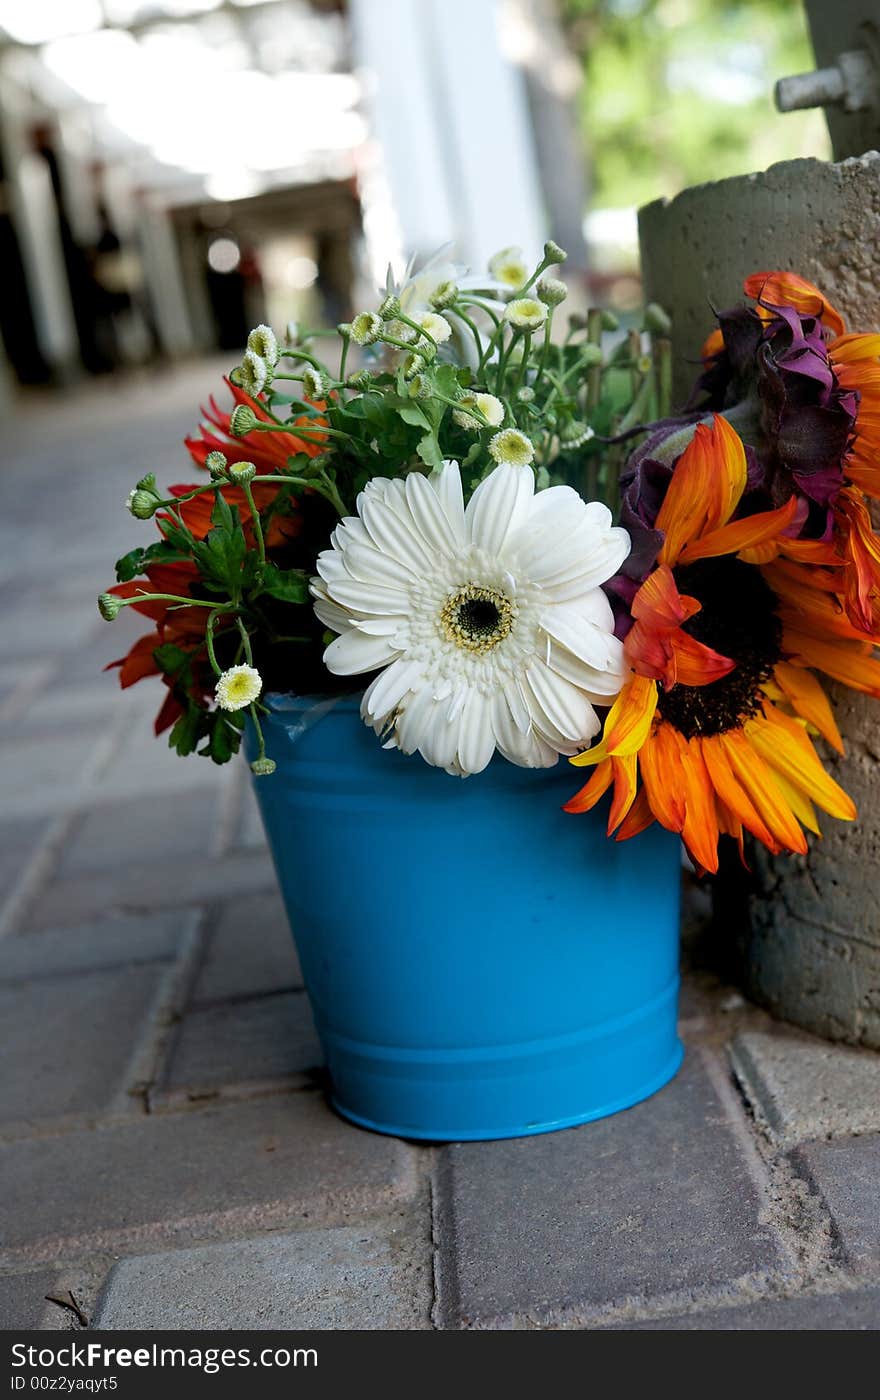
[{"x": 433, "y": 527}]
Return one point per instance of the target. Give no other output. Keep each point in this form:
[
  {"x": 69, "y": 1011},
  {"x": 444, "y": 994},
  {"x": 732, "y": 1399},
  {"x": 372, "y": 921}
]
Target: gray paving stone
[
  {"x": 141, "y": 830},
  {"x": 271, "y": 1037},
  {"x": 23, "y": 1299},
  {"x": 71, "y": 1040},
  {"x": 250, "y": 833},
  {"x": 847, "y": 1173},
  {"x": 355, "y": 1277},
  {"x": 33, "y": 629},
  {"x": 89, "y": 895},
  {"x": 111, "y": 942},
  {"x": 803, "y": 1088},
  {"x": 655, "y": 1200},
  {"x": 250, "y": 951},
  {"x": 146, "y": 765},
  {"x": 857, "y": 1311},
  {"x": 18, "y": 841},
  {"x": 41, "y": 775},
  {"x": 185, "y": 1177}
]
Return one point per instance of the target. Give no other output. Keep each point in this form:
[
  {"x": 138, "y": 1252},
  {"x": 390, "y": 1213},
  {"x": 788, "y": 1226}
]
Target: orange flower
[{"x": 711, "y": 734}]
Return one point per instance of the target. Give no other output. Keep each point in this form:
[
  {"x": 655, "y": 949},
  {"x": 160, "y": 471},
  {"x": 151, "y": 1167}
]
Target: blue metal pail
[{"x": 480, "y": 964}]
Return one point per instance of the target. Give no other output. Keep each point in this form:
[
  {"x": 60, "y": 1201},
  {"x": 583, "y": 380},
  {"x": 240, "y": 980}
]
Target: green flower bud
[
  {"x": 609, "y": 321},
  {"x": 109, "y": 606},
  {"x": 551, "y": 290},
  {"x": 344, "y": 329},
  {"x": 263, "y": 342},
  {"x": 591, "y": 355},
  {"x": 577, "y": 322},
  {"x": 657, "y": 321},
  {"x": 419, "y": 387},
  {"x": 216, "y": 463},
  {"x": 242, "y": 472},
  {"x": 143, "y": 504},
  {"x": 147, "y": 483},
  {"x": 361, "y": 379},
  {"x": 553, "y": 253},
  {"x": 263, "y": 767},
  {"x": 413, "y": 365},
  {"x": 314, "y": 383},
  {"x": 444, "y": 295},
  {"x": 390, "y": 307},
  {"x": 242, "y": 420},
  {"x": 575, "y": 434}
]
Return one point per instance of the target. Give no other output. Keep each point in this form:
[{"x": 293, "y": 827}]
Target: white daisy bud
[
  {"x": 509, "y": 267},
  {"x": 216, "y": 463},
  {"x": 551, "y": 290},
  {"x": 263, "y": 767},
  {"x": 361, "y": 379},
  {"x": 526, "y": 394},
  {"x": 108, "y": 606},
  {"x": 263, "y": 342},
  {"x": 491, "y": 408},
  {"x": 238, "y": 687},
  {"x": 513, "y": 447},
  {"x": 444, "y": 296},
  {"x": 253, "y": 373},
  {"x": 314, "y": 383},
  {"x": 242, "y": 420},
  {"x": 366, "y": 328},
  {"x": 553, "y": 253},
  {"x": 242, "y": 472},
  {"x": 438, "y": 327},
  {"x": 419, "y": 387},
  {"x": 526, "y": 313}
]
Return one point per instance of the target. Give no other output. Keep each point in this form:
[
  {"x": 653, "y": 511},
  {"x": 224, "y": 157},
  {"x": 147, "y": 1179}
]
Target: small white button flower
[
  {"x": 509, "y": 267},
  {"x": 238, "y": 687},
  {"x": 491, "y": 408},
  {"x": 314, "y": 383},
  {"x": 513, "y": 447},
  {"x": 486, "y": 626},
  {"x": 438, "y": 327},
  {"x": 526, "y": 313}
]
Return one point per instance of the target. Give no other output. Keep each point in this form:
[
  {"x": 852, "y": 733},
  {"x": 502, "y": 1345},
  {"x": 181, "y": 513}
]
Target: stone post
[{"x": 808, "y": 929}]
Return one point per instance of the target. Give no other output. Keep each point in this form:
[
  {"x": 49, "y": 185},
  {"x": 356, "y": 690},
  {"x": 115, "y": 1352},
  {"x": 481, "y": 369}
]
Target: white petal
[
  {"x": 326, "y": 610},
  {"x": 596, "y": 646},
  {"x": 390, "y": 688},
  {"x": 389, "y": 532},
  {"x": 476, "y": 743},
  {"x": 447, "y": 484},
  {"x": 353, "y": 653},
  {"x": 368, "y": 597},
  {"x": 498, "y": 506},
  {"x": 597, "y": 686},
  {"x": 374, "y": 566},
  {"x": 560, "y": 708},
  {"x": 416, "y": 717},
  {"x": 442, "y": 531},
  {"x": 378, "y": 626}
]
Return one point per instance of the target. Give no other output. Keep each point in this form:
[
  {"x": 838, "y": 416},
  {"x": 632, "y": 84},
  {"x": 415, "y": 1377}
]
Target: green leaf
[
  {"x": 221, "y": 515},
  {"x": 414, "y": 414},
  {"x": 188, "y": 730},
  {"x": 290, "y": 585},
  {"x": 429, "y": 450},
  {"x": 224, "y": 739},
  {"x": 170, "y": 659},
  {"x": 137, "y": 560}
]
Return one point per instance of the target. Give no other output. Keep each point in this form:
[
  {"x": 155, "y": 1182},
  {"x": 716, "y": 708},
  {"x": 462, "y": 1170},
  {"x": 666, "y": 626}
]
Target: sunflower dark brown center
[
  {"x": 738, "y": 619},
  {"x": 477, "y": 618}
]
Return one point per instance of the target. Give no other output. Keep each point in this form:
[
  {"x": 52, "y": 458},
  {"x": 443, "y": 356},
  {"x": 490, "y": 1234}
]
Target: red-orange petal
[{"x": 790, "y": 289}]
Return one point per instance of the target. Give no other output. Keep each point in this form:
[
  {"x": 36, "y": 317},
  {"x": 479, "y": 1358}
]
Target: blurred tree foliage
[{"x": 681, "y": 91}]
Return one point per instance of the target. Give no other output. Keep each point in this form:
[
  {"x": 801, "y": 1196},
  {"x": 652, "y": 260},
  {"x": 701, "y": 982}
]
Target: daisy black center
[
  {"x": 477, "y": 618},
  {"x": 738, "y": 619}
]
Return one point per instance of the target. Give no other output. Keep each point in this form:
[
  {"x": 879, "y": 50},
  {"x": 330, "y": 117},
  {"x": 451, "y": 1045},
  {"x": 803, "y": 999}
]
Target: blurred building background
[{"x": 174, "y": 171}]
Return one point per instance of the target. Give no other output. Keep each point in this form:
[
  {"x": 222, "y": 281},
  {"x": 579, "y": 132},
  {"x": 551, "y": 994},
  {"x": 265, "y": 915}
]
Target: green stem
[
  {"x": 246, "y": 641},
  {"x": 175, "y": 598},
  {"x": 261, "y": 742},
  {"x": 258, "y": 524}
]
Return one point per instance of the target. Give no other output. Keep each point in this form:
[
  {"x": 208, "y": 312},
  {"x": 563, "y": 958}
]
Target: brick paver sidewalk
[{"x": 165, "y": 1150}]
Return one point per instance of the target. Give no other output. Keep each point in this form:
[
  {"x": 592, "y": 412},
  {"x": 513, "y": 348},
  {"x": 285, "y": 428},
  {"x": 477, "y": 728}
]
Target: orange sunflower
[
  {"x": 711, "y": 734},
  {"x": 820, "y": 390}
]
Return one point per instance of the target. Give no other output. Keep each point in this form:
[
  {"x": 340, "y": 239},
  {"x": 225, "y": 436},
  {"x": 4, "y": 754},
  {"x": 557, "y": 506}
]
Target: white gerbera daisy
[
  {"x": 238, "y": 687},
  {"x": 487, "y": 625}
]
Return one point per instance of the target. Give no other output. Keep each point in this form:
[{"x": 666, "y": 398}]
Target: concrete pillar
[{"x": 808, "y": 929}]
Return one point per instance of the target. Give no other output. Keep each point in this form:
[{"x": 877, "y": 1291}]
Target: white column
[
  {"x": 448, "y": 112},
  {"x": 164, "y": 280}
]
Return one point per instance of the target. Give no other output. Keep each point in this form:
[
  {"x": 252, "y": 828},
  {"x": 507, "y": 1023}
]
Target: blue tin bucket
[{"x": 480, "y": 964}]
